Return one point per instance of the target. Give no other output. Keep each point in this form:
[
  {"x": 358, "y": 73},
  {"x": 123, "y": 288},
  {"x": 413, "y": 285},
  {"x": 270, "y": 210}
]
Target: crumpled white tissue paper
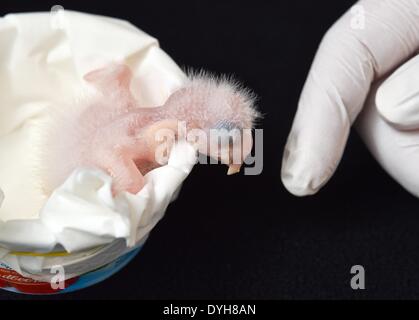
[{"x": 43, "y": 58}]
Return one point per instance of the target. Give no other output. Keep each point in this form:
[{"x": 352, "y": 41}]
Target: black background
[{"x": 245, "y": 237}]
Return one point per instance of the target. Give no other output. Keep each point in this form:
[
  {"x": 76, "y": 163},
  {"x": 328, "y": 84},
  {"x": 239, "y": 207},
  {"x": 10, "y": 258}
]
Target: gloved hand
[{"x": 350, "y": 66}]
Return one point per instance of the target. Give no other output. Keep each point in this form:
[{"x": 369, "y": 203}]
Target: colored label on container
[{"x": 10, "y": 280}]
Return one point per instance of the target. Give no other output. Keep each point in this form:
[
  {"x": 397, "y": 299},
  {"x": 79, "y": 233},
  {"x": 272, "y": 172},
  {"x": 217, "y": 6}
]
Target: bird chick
[{"x": 112, "y": 132}]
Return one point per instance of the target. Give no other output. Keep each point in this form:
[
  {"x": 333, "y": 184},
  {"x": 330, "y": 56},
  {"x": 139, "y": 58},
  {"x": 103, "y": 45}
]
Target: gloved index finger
[{"x": 371, "y": 39}]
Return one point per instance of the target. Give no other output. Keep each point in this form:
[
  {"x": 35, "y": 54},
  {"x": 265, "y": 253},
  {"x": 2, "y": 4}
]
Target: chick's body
[{"x": 112, "y": 132}]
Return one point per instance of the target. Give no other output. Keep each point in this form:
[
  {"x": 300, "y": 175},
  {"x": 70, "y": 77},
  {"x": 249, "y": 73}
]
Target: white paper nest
[{"x": 43, "y": 57}]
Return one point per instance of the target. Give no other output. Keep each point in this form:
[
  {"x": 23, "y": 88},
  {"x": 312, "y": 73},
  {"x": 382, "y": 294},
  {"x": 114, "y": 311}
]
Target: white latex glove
[{"x": 348, "y": 67}]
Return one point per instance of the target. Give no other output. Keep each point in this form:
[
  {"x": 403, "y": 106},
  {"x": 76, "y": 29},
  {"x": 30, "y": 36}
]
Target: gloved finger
[
  {"x": 396, "y": 150},
  {"x": 398, "y": 97},
  {"x": 348, "y": 60}
]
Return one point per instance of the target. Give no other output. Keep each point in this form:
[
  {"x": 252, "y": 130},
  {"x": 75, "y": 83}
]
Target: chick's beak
[{"x": 233, "y": 169}]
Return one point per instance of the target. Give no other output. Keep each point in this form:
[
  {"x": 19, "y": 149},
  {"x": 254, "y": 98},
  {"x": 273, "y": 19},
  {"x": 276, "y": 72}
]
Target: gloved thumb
[
  {"x": 397, "y": 98},
  {"x": 351, "y": 56}
]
